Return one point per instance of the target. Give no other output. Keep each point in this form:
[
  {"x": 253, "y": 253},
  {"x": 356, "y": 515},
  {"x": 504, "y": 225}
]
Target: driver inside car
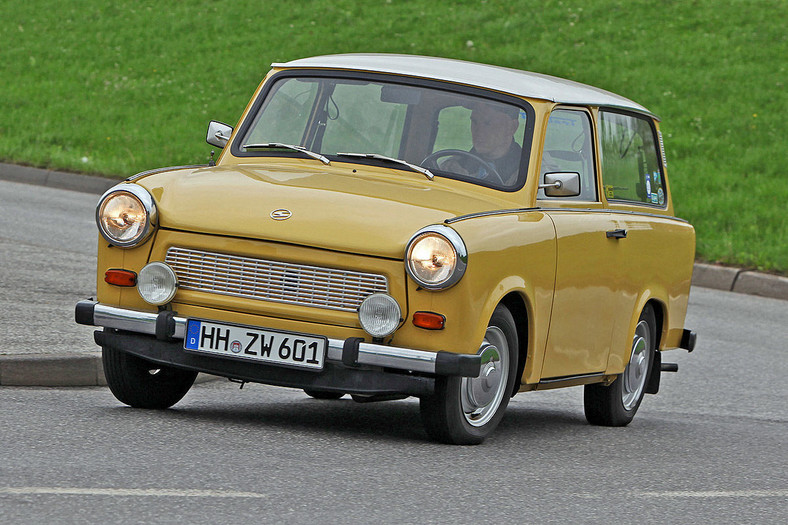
[{"x": 492, "y": 131}]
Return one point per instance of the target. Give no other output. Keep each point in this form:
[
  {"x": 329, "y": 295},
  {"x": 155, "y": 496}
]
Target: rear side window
[{"x": 631, "y": 170}]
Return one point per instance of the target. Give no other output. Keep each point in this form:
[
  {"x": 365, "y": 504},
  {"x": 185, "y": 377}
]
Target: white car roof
[{"x": 503, "y": 79}]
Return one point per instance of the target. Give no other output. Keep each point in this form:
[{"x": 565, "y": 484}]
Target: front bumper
[{"x": 158, "y": 337}]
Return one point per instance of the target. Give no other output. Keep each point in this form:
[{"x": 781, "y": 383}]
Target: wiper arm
[
  {"x": 415, "y": 167},
  {"x": 316, "y": 156}
]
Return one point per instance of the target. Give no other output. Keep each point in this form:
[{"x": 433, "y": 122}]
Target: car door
[
  {"x": 587, "y": 279},
  {"x": 654, "y": 248}
]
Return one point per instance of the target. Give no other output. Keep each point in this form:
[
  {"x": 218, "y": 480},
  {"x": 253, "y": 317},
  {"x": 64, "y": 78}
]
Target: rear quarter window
[{"x": 631, "y": 167}]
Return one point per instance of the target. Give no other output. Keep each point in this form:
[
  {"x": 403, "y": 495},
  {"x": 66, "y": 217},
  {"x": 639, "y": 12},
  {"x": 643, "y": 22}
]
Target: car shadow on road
[{"x": 389, "y": 421}]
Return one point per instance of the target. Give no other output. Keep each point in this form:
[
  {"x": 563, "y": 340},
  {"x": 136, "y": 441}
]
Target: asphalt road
[
  {"x": 47, "y": 263},
  {"x": 710, "y": 447}
]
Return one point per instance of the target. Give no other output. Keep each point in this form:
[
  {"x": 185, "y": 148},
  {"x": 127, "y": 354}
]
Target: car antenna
[{"x": 211, "y": 162}]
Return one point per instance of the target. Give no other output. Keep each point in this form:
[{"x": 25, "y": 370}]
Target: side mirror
[
  {"x": 561, "y": 184},
  {"x": 218, "y": 134}
]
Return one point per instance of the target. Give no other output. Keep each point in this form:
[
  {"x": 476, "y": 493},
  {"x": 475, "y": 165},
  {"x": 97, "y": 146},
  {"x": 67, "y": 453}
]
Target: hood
[{"x": 344, "y": 207}]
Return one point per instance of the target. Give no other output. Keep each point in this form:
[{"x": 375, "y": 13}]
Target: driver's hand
[{"x": 451, "y": 165}]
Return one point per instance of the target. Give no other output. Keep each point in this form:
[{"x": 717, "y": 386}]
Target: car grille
[{"x": 273, "y": 280}]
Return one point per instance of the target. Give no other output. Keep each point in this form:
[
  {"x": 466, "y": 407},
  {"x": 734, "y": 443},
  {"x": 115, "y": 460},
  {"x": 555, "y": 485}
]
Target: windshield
[{"x": 451, "y": 134}]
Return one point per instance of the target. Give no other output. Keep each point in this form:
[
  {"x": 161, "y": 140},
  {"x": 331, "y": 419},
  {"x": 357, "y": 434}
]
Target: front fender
[{"x": 507, "y": 253}]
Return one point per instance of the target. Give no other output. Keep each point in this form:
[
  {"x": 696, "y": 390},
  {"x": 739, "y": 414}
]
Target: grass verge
[{"x": 116, "y": 88}]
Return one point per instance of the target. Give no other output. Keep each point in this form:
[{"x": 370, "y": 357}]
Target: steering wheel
[{"x": 431, "y": 161}]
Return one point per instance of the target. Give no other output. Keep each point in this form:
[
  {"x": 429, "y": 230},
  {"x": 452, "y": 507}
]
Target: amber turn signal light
[
  {"x": 120, "y": 277},
  {"x": 429, "y": 320}
]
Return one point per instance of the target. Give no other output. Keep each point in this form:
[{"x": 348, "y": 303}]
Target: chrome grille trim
[{"x": 273, "y": 280}]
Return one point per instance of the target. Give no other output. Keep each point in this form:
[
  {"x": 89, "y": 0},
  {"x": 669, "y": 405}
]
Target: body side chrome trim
[
  {"x": 620, "y": 212},
  {"x": 571, "y": 378},
  {"x": 487, "y": 214},
  {"x": 159, "y": 170},
  {"x": 575, "y": 210}
]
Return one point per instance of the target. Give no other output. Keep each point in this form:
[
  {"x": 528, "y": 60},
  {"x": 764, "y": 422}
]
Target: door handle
[{"x": 617, "y": 234}]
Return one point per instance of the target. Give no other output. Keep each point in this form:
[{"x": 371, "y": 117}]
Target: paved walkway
[{"x": 84, "y": 369}]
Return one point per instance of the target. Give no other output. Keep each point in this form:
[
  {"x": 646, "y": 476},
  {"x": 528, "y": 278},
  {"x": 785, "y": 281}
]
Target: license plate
[{"x": 255, "y": 344}]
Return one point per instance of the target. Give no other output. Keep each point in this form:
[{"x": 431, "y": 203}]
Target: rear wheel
[
  {"x": 465, "y": 410},
  {"x": 142, "y": 384},
  {"x": 615, "y": 405}
]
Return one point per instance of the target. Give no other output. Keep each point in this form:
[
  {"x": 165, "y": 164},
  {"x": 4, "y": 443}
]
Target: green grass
[{"x": 116, "y": 89}]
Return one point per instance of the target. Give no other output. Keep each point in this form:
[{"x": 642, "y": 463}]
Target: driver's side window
[{"x": 568, "y": 147}]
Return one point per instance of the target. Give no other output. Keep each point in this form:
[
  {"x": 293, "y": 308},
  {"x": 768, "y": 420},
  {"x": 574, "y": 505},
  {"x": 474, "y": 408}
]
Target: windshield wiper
[
  {"x": 316, "y": 156},
  {"x": 427, "y": 173}
]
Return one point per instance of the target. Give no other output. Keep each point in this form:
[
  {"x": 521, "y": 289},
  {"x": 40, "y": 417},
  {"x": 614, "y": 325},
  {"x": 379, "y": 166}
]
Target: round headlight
[
  {"x": 125, "y": 215},
  {"x": 436, "y": 257},
  {"x": 379, "y": 315},
  {"x": 157, "y": 283}
]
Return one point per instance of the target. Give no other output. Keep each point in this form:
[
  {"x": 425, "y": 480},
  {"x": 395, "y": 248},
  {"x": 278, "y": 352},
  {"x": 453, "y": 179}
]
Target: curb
[
  {"x": 56, "y": 179},
  {"x": 86, "y": 369},
  {"x": 59, "y": 370},
  {"x": 52, "y": 370},
  {"x": 740, "y": 281}
]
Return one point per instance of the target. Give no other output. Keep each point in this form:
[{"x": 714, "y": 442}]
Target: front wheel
[
  {"x": 615, "y": 405},
  {"x": 465, "y": 410},
  {"x": 142, "y": 384}
]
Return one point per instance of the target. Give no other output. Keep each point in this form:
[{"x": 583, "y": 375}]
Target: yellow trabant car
[{"x": 388, "y": 226}]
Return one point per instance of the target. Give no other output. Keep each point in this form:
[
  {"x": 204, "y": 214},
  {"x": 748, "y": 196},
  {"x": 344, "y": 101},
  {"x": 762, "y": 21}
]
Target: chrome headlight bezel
[
  {"x": 144, "y": 199},
  {"x": 454, "y": 241}
]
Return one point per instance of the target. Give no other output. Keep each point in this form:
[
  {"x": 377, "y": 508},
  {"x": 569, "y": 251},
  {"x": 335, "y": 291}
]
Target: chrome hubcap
[
  {"x": 481, "y": 396},
  {"x": 634, "y": 378}
]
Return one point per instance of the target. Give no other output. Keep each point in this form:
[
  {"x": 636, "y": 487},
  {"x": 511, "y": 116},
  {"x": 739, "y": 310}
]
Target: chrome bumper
[{"x": 166, "y": 326}]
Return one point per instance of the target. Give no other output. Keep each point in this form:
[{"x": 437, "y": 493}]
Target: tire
[
  {"x": 142, "y": 384},
  {"x": 323, "y": 394},
  {"x": 615, "y": 405},
  {"x": 463, "y": 410}
]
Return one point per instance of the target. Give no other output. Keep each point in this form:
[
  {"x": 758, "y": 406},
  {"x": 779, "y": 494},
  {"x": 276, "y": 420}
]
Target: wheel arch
[
  {"x": 660, "y": 311},
  {"x": 620, "y": 353},
  {"x": 516, "y": 305},
  {"x": 660, "y": 314}
]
